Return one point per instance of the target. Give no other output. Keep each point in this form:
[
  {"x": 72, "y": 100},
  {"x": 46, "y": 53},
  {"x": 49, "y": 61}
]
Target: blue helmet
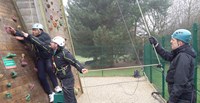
[{"x": 182, "y": 35}]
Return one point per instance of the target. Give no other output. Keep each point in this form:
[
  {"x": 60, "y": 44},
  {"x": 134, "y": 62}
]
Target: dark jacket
[
  {"x": 180, "y": 76},
  {"x": 62, "y": 58},
  {"x": 39, "y": 52}
]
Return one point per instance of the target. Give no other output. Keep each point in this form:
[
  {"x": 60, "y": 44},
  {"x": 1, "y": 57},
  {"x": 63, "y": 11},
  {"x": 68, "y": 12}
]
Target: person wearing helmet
[
  {"x": 62, "y": 61},
  {"x": 44, "y": 62},
  {"x": 180, "y": 76}
]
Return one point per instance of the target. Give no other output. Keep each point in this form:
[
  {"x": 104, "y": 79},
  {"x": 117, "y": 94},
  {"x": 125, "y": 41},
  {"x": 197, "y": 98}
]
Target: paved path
[{"x": 116, "y": 90}]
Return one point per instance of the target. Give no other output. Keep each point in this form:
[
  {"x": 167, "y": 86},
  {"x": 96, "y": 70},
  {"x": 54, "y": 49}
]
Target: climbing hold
[
  {"x": 9, "y": 85},
  {"x": 51, "y": 17},
  {"x": 14, "y": 18},
  {"x": 1, "y": 76},
  {"x": 54, "y": 23},
  {"x": 19, "y": 27},
  {"x": 10, "y": 55},
  {"x": 9, "y": 63},
  {"x": 23, "y": 62},
  {"x": 28, "y": 97},
  {"x": 8, "y": 95},
  {"x": 13, "y": 74},
  {"x": 75, "y": 91},
  {"x": 31, "y": 86},
  {"x": 61, "y": 23},
  {"x": 48, "y": 6}
]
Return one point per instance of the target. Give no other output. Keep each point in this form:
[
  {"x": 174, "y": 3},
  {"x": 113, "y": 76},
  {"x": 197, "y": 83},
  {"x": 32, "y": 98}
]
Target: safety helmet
[
  {"x": 182, "y": 35},
  {"x": 59, "y": 40},
  {"x": 37, "y": 26}
]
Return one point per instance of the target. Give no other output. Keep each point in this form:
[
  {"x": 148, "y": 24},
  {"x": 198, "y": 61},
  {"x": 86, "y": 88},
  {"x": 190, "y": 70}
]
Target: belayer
[{"x": 180, "y": 76}]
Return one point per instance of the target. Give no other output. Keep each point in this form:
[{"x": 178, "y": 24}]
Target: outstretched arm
[
  {"x": 69, "y": 58},
  {"x": 37, "y": 42}
]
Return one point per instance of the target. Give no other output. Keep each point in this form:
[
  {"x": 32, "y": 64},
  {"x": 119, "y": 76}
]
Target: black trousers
[
  {"x": 185, "y": 97},
  {"x": 44, "y": 67},
  {"x": 68, "y": 90}
]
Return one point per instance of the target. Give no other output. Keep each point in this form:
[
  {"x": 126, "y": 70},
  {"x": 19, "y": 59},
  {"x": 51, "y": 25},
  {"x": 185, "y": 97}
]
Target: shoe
[
  {"x": 51, "y": 97},
  {"x": 58, "y": 89}
]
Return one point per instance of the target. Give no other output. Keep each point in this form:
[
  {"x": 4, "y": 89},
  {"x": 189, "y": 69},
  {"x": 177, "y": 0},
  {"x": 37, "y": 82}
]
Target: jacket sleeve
[
  {"x": 39, "y": 43},
  {"x": 168, "y": 56},
  {"x": 181, "y": 76},
  {"x": 70, "y": 59},
  {"x": 19, "y": 33}
]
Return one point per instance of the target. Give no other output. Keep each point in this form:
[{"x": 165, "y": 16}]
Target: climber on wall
[
  {"x": 44, "y": 62},
  {"x": 62, "y": 61}
]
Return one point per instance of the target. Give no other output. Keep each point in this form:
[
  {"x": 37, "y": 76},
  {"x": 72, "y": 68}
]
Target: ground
[{"x": 117, "y": 90}]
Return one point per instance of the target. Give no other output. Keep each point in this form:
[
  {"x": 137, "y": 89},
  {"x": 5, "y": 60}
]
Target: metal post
[
  {"x": 163, "y": 72},
  {"x": 195, "y": 42}
]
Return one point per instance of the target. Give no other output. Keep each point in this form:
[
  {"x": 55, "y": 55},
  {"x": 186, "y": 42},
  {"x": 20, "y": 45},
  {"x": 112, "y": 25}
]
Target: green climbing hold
[
  {"x": 28, "y": 97},
  {"x": 9, "y": 85},
  {"x": 14, "y": 74},
  {"x": 9, "y": 63},
  {"x": 8, "y": 95},
  {"x": 10, "y": 55}
]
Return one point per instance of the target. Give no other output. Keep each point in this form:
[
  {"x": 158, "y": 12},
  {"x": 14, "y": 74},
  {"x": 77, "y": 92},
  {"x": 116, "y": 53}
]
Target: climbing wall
[
  {"x": 56, "y": 24},
  {"x": 18, "y": 79}
]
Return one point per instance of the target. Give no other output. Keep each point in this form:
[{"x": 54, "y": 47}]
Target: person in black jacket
[
  {"x": 44, "y": 61},
  {"x": 62, "y": 61},
  {"x": 180, "y": 76}
]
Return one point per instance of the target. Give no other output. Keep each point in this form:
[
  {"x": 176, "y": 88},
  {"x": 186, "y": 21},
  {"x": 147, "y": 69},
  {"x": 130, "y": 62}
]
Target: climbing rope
[
  {"x": 139, "y": 66},
  {"x": 144, "y": 20},
  {"x": 148, "y": 31}
]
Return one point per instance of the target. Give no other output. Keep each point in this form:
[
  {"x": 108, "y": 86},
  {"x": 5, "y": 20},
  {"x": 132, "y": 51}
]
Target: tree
[{"x": 103, "y": 29}]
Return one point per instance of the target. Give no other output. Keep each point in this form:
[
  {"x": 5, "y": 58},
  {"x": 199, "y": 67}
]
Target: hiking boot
[
  {"x": 51, "y": 97},
  {"x": 58, "y": 89}
]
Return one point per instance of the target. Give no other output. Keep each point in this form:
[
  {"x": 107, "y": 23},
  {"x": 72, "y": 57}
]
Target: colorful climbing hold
[
  {"x": 10, "y": 55},
  {"x": 54, "y": 23},
  {"x": 14, "y": 18},
  {"x": 9, "y": 63},
  {"x": 13, "y": 74},
  {"x": 8, "y": 95},
  {"x": 51, "y": 17},
  {"x": 28, "y": 97},
  {"x": 9, "y": 85},
  {"x": 19, "y": 27},
  {"x": 23, "y": 62}
]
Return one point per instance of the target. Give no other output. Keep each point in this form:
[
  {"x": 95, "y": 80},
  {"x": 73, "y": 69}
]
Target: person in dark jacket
[
  {"x": 44, "y": 62},
  {"x": 180, "y": 76},
  {"x": 62, "y": 61}
]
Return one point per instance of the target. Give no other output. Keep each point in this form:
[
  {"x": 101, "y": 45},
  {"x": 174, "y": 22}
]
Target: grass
[{"x": 82, "y": 59}]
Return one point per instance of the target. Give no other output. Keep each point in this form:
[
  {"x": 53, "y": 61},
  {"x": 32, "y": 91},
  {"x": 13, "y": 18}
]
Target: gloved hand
[{"x": 153, "y": 41}]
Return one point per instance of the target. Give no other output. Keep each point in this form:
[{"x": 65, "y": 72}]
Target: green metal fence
[{"x": 155, "y": 74}]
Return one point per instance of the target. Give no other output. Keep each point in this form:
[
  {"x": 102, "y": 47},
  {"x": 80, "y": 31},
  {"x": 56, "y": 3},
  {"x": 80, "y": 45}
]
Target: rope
[
  {"x": 139, "y": 66},
  {"x": 145, "y": 23},
  {"x": 128, "y": 32}
]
